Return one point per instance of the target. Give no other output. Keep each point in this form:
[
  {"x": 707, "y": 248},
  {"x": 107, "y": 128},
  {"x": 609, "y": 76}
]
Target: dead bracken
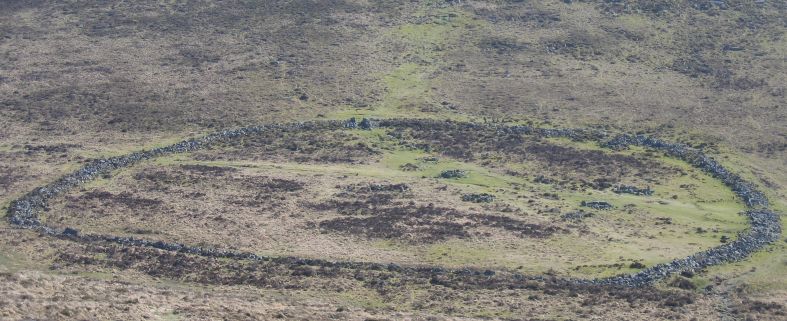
[{"x": 382, "y": 211}]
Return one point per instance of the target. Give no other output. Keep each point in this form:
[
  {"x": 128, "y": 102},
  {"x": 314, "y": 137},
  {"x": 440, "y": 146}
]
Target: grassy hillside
[{"x": 80, "y": 80}]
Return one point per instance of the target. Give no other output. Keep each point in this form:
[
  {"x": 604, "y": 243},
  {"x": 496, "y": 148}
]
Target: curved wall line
[{"x": 765, "y": 225}]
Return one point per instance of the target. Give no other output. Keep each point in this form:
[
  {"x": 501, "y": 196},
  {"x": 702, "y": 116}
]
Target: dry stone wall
[{"x": 765, "y": 226}]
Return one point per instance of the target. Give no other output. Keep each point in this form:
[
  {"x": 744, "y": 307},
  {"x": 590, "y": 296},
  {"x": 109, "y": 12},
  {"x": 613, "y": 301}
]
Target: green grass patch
[
  {"x": 461, "y": 253},
  {"x": 476, "y": 175},
  {"x": 363, "y": 298},
  {"x": 408, "y": 85}
]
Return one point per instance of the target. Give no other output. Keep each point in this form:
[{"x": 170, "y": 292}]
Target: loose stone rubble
[
  {"x": 626, "y": 189},
  {"x": 351, "y": 123},
  {"x": 478, "y": 198},
  {"x": 597, "y": 205},
  {"x": 389, "y": 187},
  {"x": 576, "y": 216},
  {"x": 453, "y": 173},
  {"x": 765, "y": 224},
  {"x": 365, "y": 124}
]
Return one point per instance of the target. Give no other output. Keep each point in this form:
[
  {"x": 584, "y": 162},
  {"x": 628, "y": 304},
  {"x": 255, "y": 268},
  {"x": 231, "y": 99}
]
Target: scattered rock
[
  {"x": 543, "y": 180},
  {"x": 626, "y": 189},
  {"x": 351, "y": 123},
  {"x": 682, "y": 283},
  {"x": 70, "y": 232},
  {"x": 453, "y": 173},
  {"x": 365, "y": 124},
  {"x": 409, "y": 167},
  {"x": 400, "y": 187},
  {"x": 478, "y": 198},
  {"x": 598, "y": 205},
  {"x": 576, "y": 216},
  {"x": 663, "y": 220}
]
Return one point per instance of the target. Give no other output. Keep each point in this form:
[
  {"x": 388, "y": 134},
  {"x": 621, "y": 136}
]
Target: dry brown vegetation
[
  {"x": 563, "y": 164},
  {"x": 79, "y": 80}
]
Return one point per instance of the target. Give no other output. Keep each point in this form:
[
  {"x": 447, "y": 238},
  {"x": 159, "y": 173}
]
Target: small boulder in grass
[
  {"x": 365, "y": 124},
  {"x": 70, "y": 232},
  {"x": 453, "y": 173}
]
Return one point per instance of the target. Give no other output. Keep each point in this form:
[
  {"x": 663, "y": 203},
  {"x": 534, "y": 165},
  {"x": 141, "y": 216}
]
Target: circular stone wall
[{"x": 421, "y": 219}]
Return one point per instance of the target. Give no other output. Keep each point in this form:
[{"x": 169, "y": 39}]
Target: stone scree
[{"x": 765, "y": 224}]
